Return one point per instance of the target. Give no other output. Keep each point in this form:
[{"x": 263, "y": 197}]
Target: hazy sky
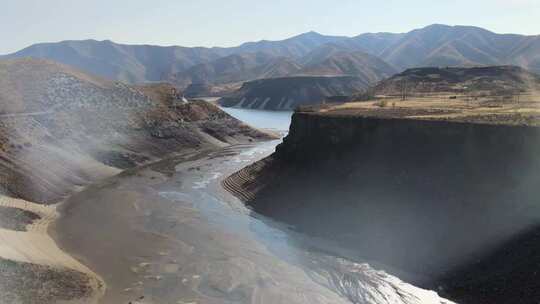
[{"x": 228, "y": 23}]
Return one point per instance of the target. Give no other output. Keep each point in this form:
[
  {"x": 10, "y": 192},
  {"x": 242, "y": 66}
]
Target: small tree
[{"x": 403, "y": 89}]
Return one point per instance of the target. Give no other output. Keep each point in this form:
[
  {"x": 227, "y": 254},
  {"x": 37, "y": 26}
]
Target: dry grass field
[{"x": 482, "y": 107}]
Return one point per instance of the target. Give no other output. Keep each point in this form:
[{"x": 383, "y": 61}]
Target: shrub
[{"x": 382, "y": 104}]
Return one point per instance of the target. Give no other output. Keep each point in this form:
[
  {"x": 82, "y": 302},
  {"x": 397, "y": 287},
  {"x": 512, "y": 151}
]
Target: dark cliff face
[{"x": 432, "y": 200}]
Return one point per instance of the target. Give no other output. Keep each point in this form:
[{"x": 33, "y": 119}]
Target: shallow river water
[{"x": 169, "y": 233}]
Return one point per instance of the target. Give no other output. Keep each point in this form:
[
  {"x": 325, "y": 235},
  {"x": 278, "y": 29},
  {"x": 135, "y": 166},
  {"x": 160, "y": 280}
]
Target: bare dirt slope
[{"x": 60, "y": 128}]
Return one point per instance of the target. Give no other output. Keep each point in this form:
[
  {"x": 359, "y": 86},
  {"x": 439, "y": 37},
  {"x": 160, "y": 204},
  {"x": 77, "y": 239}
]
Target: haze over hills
[{"x": 435, "y": 45}]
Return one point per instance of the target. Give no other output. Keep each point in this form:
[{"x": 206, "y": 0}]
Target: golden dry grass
[{"x": 514, "y": 110}]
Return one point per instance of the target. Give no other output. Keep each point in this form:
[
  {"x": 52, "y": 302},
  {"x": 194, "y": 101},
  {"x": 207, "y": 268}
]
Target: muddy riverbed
[{"x": 169, "y": 233}]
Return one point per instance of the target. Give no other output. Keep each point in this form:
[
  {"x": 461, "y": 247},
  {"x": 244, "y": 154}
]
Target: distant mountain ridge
[
  {"x": 327, "y": 60},
  {"x": 362, "y": 56}
]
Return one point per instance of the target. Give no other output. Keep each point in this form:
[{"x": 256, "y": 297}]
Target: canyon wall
[{"x": 432, "y": 201}]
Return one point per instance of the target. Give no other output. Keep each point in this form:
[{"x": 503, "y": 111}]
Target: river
[{"x": 169, "y": 233}]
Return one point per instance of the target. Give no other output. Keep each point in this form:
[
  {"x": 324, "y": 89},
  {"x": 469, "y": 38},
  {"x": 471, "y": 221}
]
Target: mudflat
[{"x": 169, "y": 233}]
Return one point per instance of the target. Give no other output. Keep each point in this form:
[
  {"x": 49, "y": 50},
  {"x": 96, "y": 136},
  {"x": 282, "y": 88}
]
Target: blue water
[{"x": 273, "y": 120}]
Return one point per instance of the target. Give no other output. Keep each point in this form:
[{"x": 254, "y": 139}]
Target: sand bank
[{"x": 35, "y": 246}]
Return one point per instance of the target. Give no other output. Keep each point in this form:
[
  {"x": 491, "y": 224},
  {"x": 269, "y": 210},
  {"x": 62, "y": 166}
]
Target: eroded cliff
[{"x": 433, "y": 200}]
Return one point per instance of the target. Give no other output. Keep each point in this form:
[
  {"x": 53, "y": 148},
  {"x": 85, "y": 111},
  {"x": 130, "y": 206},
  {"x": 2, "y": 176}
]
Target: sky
[{"x": 232, "y": 22}]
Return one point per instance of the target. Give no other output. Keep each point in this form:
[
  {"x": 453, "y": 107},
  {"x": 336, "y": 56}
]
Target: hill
[
  {"x": 127, "y": 63},
  {"x": 61, "y": 128},
  {"x": 289, "y": 92},
  {"x": 495, "y": 79},
  {"x": 237, "y": 68},
  {"x": 149, "y": 63},
  {"x": 442, "y": 45},
  {"x": 328, "y": 60},
  {"x": 331, "y": 60},
  {"x": 294, "y": 47}
]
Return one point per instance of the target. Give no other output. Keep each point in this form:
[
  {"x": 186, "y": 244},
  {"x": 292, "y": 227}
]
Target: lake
[{"x": 272, "y": 120}]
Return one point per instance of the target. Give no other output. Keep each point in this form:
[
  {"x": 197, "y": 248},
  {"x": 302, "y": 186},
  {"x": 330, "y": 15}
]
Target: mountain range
[{"x": 371, "y": 56}]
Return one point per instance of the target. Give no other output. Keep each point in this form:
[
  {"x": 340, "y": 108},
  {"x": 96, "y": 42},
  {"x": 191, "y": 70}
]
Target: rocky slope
[
  {"x": 61, "y": 129},
  {"x": 289, "y": 92},
  {"x": 446, "y": 203}
]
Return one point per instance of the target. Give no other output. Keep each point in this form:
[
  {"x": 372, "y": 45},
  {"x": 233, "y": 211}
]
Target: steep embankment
[
  {"x": 434, "y": 200},
  {"x": 61, "y": 128},
  {"x": 289, "y": 92}
]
